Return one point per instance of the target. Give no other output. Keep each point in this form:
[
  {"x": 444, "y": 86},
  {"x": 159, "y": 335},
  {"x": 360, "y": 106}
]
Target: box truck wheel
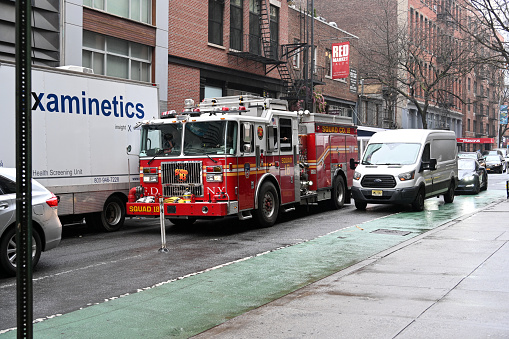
[
  {"x": 338, "y": 192},
  {"x": 449, "y": 195},
  {"x": 8, "y": 250},
  {"x": 268, "y": 205},
  {"x": 111, "y": 218}
]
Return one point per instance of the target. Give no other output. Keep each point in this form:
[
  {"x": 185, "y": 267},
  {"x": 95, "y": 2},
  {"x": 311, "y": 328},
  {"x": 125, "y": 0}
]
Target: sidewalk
[{"x": 451, "y": 282}]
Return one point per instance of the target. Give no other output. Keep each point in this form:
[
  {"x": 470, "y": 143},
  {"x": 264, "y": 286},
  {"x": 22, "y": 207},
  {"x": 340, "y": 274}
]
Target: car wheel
[
  {"x": 338, "y": 193},
  {"x": 268, "y": 205},
  {"x": 360, "y": 205},
  {"x": 485, "y": 186},
  {"x": 418, "y": 204},
  {"x": 8, "y": 250},
  {"x": 449, "y": 195}
]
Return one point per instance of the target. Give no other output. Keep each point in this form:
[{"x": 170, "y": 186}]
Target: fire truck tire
[
  {"x": 112, "y": 217},
  {"x": 338, "y": 193},
  {"x": 268, "y": 205},
  {"x": 183, "y": 222},
  {"x": 360, "y": 205}
]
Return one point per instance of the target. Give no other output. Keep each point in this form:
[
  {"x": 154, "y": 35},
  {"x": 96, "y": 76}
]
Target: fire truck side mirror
[
  {"x": 247, "y": 148},
  {"x": 353, "y": 163}
]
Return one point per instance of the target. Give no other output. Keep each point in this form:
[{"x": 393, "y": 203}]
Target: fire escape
[{"x": 265, "y": 49}]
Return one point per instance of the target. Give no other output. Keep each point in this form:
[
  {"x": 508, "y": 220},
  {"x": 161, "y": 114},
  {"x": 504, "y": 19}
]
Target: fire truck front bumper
[
  {"x": 385, "y": 196},
  {"x": 193, "y": 209}
]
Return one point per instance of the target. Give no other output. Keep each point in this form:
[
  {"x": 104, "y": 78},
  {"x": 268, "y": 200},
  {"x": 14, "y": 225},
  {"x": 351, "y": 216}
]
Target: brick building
[
  {"x": 473, "y": 116},
  {"x": 218, "y": 48}
]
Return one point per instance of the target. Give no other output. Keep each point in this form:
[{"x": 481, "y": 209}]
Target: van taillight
[{"x": 53, "y": 201}]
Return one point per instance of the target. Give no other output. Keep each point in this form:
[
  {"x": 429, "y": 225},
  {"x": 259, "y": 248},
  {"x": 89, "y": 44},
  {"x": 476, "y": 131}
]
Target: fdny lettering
[
  {"x": 88, "y": 106},
  {"x": 212, "y": 190},
  {"x": 181, "y": 174},
  {"x": 143, "y": 209}
]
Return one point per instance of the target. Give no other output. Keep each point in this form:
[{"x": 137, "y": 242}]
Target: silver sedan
[{"x": 46, "y": 226}]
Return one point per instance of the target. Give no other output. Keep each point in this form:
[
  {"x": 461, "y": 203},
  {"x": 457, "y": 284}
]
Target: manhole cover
[{"x": 391, "y": 232}]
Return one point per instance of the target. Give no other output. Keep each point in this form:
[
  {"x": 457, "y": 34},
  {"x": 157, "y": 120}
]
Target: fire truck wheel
[
  {"x": 268, "y": 205},
  {"x": 183, "y": 222},
  {"x": 112, "y": 217},
  {"x": 360, "y": 205},
  {"x": 338, "y": 193}
]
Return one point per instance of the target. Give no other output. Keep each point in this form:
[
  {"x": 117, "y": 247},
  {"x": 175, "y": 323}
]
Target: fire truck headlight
[
  {"x": 356, "y": 175},
  {"x": 407, "y": 176},
  {"x": 214, "y": 177}
]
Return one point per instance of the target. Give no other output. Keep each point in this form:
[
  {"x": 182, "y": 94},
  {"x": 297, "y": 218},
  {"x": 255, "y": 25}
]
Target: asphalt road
[{"x": 89, "y": 268}]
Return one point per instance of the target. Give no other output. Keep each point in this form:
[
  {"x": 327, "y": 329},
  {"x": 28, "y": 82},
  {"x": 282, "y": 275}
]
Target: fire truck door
[
  {"x": 246, "y": 168},
  {"x": 286, "y": 160}
]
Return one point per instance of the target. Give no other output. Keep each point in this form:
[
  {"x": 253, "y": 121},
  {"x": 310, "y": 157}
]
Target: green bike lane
[{"x": 189, "y": 305}]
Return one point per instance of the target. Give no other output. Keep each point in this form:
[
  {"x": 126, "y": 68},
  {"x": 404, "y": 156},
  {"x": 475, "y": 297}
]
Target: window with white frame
[
  {"x": 296, "y": 56},
  {"x": 139, "y": 10},
  {"x": 116, "y": 57}
]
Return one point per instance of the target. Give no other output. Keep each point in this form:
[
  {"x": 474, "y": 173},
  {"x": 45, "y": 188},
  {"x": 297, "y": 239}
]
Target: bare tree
[
  {"x": 418, "y": 61},
  {"x": 487, "y": 22}
]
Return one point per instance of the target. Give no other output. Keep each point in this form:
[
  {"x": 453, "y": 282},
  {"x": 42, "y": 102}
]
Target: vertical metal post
[
  {"x": 24, "y": 291},
  {"x": 163, "y": 248}
]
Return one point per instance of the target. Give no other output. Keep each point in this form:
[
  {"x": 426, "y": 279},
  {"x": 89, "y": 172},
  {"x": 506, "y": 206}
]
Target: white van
[{"x": 406, "y": 166}]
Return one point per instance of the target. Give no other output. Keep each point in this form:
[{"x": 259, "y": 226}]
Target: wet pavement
[{"x": 437, "y": 273}]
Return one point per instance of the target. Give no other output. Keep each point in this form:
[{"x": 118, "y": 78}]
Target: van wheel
[
  {"x": 268, "y": 205},
  {"x": 418, "y": 204},
  {"x": 449, "y": 195},
  {"x": 338, "y": 193},
  {"x": 360, "y": 205}
]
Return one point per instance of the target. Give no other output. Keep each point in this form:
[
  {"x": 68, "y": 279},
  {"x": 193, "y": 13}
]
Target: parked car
[
  {"x": 472, "y": 176},
  {"x": 473, "y": 155},
  {"x": 46, "y": 226},
  {"x": 495, "y": 163}
]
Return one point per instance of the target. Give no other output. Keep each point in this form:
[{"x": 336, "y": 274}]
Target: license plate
[{"x": 377, "y": 193}]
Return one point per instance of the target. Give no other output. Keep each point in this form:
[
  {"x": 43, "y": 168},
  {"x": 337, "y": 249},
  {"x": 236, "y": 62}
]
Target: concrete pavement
[{"x": 451, "y": 282}]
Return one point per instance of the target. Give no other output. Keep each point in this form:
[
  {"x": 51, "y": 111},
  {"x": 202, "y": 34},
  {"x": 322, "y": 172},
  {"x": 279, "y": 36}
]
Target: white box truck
[{"x": 81, "y": 127}]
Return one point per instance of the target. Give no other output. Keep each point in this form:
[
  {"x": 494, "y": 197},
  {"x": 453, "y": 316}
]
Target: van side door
[{"x": 427, "y": 173}]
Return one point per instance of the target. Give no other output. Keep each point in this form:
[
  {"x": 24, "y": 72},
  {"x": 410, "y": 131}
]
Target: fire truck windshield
[
  {"x": 211, "y": 137},
  {"x": 161, "y": 140}
]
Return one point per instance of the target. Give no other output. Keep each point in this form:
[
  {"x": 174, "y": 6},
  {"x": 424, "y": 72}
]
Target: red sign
[
  {"x": 340, "y": 60},
  {"x": 476, "y": 140}
]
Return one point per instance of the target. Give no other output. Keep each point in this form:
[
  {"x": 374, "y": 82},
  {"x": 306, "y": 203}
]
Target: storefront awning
[{"x": 475, "y": 140}]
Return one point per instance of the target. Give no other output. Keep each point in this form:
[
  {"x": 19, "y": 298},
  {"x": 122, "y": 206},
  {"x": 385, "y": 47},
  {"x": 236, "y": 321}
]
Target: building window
[
  {"x": 236, "y": 19},
  {"x": 139, "y": 10},
  {"x": 328, "y": 62},
  {"x": 296, "y": 56},
  {"x": 254, "y": 27},
  {"x": 468, "y": 124},
  {"x": 274, "y": 31},
  {"x": 216, "y": 21},
  {"x": 115, "y": 57}
]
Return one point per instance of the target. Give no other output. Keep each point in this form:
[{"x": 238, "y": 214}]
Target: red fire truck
[{"x": 242, "y": 155}]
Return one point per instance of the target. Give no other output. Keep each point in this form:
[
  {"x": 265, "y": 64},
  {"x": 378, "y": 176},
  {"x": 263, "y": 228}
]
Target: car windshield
[
  {"x": 493, "y": 158},
  {"x": 465, "y": 164},
  {"x": 391, "y": 154},
  {"x": 161, "y": 140},
  {"x": 211, "y": 137}
]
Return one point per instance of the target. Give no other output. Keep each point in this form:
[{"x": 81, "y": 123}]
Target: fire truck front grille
[
  {"x": 179, "y": 177},
  {"x": 378, "y": 181}
]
